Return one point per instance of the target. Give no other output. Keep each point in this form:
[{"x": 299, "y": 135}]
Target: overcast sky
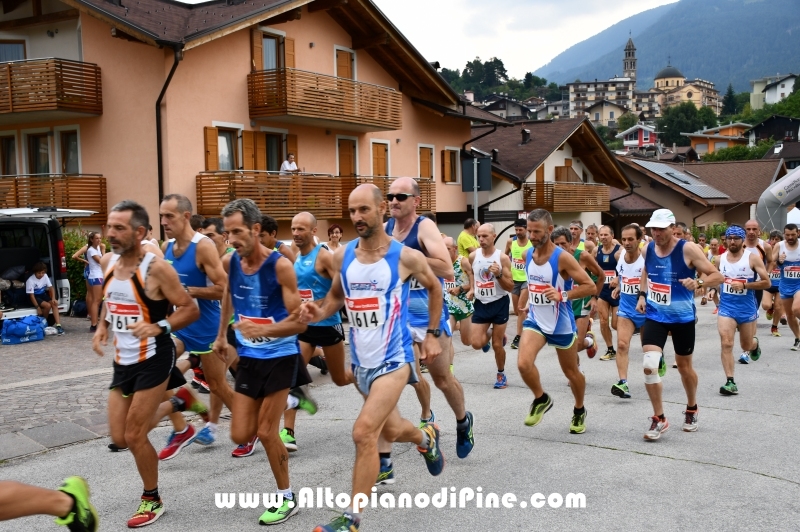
[{"x": 525, "y": 34}]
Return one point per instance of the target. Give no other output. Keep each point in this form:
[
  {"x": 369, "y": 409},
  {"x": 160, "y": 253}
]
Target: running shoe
[
  {"x": 423, "y": 422},
  {"x": 92, "y": 328},
  {"x": 502, "y": 382},
  {"x": 114, "y": 448},
  {"x": 744, "y": 358},
  {"x": 662, "y": 366},
  {"x": 729, "y": 388},
  {"x": 690, "y": 421},
  {"x": 783, "y": 320},
  {"x": 206, "y": 436},
  {"x": 83, "y": 516},
  {"x": 245, "y": 449},
  {"x": 199, "y": 382},
  {"x": 610, "y": 354},
  {"x": 176, "y": 442},
  {"x": 621, "y": 390},
  {"x": 192, "y": 403},
  {"x": 774, "y": 331},
  {"x": 59, "y": 329},
  {"x": 432, "y": 454},
  {"x": 591, "y": 351},
  {"x": 149, "y": 511},
  {"x": 755, "y": 354},
  {"x": 344, "y": 523},
  {"x": 578, "y": 424},
  {"x": 704, "y": 301},
  {"x": 715, "y": 310},
  {"x": 796, "y": 345},
  {"x": 486, "y": 348},
  {"x": 537, "y": 412},
  {"x": 274, "y": 516},
  {"x": 306, "y": 402},
  {"x": 320, "y": 363},
  {"x": 289, "y": 441},
  {"x": 385, "y": 475},
  {"x": 423, "y": 368},
  {"x": 770, "y": 313},
  {"x": 657, "y": 428},
  {"x": 465, "y": 439},
  {"x": 515, "y": 342}
]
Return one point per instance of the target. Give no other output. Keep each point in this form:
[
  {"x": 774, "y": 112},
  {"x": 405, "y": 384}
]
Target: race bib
[
  {"x": 659, "y": 294},
  {"x": 630, "y": 285},
  {"x": 791, "y": 272},
  {"x": 123, "y": 315},
  {"x": 413, "y": 284},
  {"x": 775, "y": 274},
  {"x": 364, "y": 313},
  {"x": 306, "y": 295},
  {"x": 449, "y": 284},
  {"x": 610, "y": 274},
  {"x": 260, "y": 341},
  {"x": 485, "y": 288},
  {"x": 728, "y": 288},
  {"x": 518, "y": 264},
  {"x": 536, "y": 295}
]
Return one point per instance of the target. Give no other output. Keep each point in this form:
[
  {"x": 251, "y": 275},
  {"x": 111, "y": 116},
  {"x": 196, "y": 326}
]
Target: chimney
[
  {"x": 469, "y": 95},
  {"x": 495, "y": 153},
  {"x": 526, "y": 136}
]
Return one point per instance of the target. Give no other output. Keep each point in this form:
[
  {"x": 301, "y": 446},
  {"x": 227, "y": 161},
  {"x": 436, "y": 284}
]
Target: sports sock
[
  {"x": 386, "y": 459},
  {"x": 542, "y": 399},
  {"x": 694, "y": 408},
  {"x": 426, "y": 441},
  {"x": 151, "y": 494},
  {"x": 462, "y": 424},
  {"x": 211, "y": 426},
  {"x": 287, "y": 493},
  {"x": 578, "y": 411},
  {"x": 292, "y": 402}
]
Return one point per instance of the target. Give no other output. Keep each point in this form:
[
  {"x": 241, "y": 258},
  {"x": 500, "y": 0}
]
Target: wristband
[{"x": 642, "y": 294}]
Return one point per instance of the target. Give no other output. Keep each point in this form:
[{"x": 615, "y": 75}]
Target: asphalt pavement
[{"x": 738, "y": 471}]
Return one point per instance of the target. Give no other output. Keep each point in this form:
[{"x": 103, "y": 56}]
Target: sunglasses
[{"x": 400, "y": 197}]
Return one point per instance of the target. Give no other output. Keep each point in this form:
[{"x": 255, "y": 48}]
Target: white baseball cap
[{"x": 662, "y": 218}]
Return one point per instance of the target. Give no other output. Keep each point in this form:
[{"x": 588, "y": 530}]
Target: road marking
[{"x": 57, "y": 378}]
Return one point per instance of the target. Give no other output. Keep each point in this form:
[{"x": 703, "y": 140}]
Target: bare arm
[
  {"x": 508, "y": 247},
  {"x": 467, "y": 267},
  {"x": 695, "y": 258},
  {"x": 506, "y": 281},
  {"x": 287, "y": 252},
  {"x": 79, "y": 255},
  {"x": 466, "y": 263},
  {"x": 315, "y": 311},
  {"x": 758, "y": 266},
  {"x": 572, "y": 269},
  {"x": 590, "y": 263},
  {"x": 155, "y": 250},
  {"x": 284, "y": 273},
  {"x": 413, "y": 263},
  {"x": 437, "y": 256},
  {"x": 209, "y": 263}
]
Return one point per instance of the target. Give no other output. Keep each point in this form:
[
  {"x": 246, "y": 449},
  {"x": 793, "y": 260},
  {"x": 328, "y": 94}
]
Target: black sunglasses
[{"x": 400, "y": 197}]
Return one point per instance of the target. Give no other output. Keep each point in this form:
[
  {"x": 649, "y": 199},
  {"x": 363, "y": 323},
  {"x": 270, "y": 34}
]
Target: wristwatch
[
  {"x": 700, "y": 283},
  {"x": 564, "y": 296},
  {"x": 435, "y": 332},
  {"x": 166, "y": 328}
]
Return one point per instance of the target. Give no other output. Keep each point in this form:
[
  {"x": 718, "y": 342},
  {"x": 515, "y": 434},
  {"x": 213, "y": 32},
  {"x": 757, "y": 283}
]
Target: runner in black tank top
[{"x": 607, "y": 257}]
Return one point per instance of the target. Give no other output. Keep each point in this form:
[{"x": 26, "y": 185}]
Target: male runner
[
  {"x": 737, "y": 305},
  {"x": 372, "y": 276},
  {"x": 69, "y": 504},
  {"x": 197, "y": 262},
  {"x": 713, "y": 257},
  {"x": 262, "y": 296},
  {"x": 552, "y": 274},
  {"x": 467, "y": 241},
  {"x": 139, "y": 289},
  {"x": 608, "y": 257},
  {"x": 629, "y": 277},
  {"x": 754, "y": 244},
  {"x": 459, "y": 306},
  {"x": 269, "y": 238},
  {"x": 516, "y": 248},
  {"x": 666, "y": 297},
  {"x": 787, "y": 256},
  {"x": 591, "y": 238},
  {"x": 772, "y": 302},
  {"x": 491, "y": 271},
  {"x": 314, "y": 271},
  {"x": 420, "y": 233}
]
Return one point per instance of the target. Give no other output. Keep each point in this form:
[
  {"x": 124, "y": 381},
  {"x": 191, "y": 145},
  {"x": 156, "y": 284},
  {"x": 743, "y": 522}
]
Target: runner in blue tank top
[
  {"x": 314, "y": 270},
  {"x": 421, "y": 234},
  {"x": 771, "y": 302},
  {"x": 787, "y": 256},
  {"x": 194, "y": 257},
  {"x": 263, "y": 299},
  {"x": 607, "y": 257},
  {"x": 666, "y": 297},
  {"x": 552, "y": 275},
  {"x": 744, "y": 273},
  {"x": 371, "y": 277}
]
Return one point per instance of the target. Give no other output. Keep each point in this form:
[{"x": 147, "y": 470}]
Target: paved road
[{"x": 738, "y": 471}]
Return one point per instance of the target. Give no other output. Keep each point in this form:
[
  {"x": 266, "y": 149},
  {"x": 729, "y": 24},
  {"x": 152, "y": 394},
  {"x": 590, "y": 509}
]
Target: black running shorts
[
  {"x": 148, "y": 374},
  {"x": 323, "y": 336},
  {"x": 258, "y": 378},
  {"x": 655, "y": 333}
]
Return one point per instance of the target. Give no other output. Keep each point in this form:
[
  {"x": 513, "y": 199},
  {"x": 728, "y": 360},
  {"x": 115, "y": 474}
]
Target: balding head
[
  {"x": 452, "y": 247},
  {"x": 486, "y": 236},
  {"x": 305, "y": 218},
  {"x": 753, "y": 231},
  {"x": 367, "y": 208},
  {"x": 367, "y": 192},
  {"x": 405, "y": 185},
  {"x": 304, "y": 227}
]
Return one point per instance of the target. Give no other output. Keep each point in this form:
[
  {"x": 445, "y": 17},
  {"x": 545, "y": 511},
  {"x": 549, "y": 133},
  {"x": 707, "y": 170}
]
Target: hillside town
[{"x": 240, "y": 239}]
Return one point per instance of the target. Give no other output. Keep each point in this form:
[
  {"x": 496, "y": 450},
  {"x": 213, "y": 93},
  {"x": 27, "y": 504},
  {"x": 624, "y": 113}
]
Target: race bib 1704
[{"x": 659, "y": 294}]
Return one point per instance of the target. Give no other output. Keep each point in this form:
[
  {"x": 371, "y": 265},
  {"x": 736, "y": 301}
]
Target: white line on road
[{"x": 56, "y": 378}]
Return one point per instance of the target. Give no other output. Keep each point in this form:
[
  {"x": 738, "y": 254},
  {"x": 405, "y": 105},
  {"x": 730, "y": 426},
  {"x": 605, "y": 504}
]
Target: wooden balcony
[
  {"x": 282, "y": 197},
  {"x": 307, "y": 98},
  {"x": 76, "y": 191},
  {"x": 565, "y": 197},
  {"x": 49, "y": 89}
]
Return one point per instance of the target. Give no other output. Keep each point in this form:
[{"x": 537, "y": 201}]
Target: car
[{"x": 31, "y": 235}]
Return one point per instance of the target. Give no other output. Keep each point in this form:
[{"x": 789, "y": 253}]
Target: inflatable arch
[{"x": 771, "y": 209}]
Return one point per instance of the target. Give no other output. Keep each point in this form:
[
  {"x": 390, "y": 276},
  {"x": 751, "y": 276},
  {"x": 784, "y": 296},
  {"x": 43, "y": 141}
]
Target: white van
[{"x": 28, "y": 236}]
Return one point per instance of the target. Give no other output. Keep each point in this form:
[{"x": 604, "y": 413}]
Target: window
[
  {"x": 12, "y": 50},
  {"x": 8, "y": 155},
  {"x": 450, "y": 166},
  {"x": 270, "y": 52},
  {"x": 426, "y": 162},
  {"x": 646, "y": 136},
  {"x": 38, "y": 154},
  {"x": 274, "y": 155},
  {"x": 611, "y": 115},
  {"x": 783, "y": 85},
  {"x": 69, "y": 152},
  {"x": 227, "y": 146},
  {"x": 380, "y": 159},
  {"x": 701, "y": 148},
  {"x": 597, "y": 117},
  {"x": 346, "y": 63}
]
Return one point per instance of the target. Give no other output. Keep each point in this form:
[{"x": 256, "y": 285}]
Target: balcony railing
[
  {"x": 50, "y": 85},
  {"x": 283, "y": 196},
  {"x": 565, "y": 197},
  {"x": 309, "y": 98},
  {"x": 75, "y": 191}
]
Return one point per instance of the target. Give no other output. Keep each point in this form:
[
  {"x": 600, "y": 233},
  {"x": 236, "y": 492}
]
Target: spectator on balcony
[
  {"x": 289, "y": 166},
  {"x": 335, "y": 233}
]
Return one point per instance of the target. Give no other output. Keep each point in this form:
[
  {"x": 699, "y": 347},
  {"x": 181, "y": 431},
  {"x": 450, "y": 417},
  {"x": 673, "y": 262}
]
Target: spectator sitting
[
  {"x": 289, "y": 166},
  {"x": 42, "y": 294}
]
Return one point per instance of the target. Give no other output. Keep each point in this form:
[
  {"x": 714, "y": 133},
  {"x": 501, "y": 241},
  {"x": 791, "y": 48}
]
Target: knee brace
[{"x": 651, "y": 362}]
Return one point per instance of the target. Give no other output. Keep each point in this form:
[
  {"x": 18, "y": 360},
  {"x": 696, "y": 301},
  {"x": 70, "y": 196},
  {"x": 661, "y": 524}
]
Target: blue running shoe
[
  {"x": 432, "y": 454},
  {"x": 464, "y": 439},
  {"x": 744, "y": 358},
  {"x": 386, "y": 474},
  {"x": 423, "y": 422},
  {"x": 501, "y": 382},
  {"x": 344, "y": 523},
  {"x": 486, "y": 348},
  {"x": 205, "y": 436}
]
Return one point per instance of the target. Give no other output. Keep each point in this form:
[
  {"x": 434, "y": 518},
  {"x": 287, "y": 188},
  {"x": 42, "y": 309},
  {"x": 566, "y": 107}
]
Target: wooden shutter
[
  {"x": 260, "y": 149},
  {"x": 446, "y": 176},
  {"x": 347, "y": 161},
  {"x": 288, "y": 52},
  {"x": 567, "y": 162},
  {"x": 248, "y": 150},
  {"x": 344, "y": 64},
  {"x": 425, "y": 162},
  {"x": 540, "y": 174},
  {"x": 211, "y": 138},
  {"x": 257, "y": 49},
  {"x": 291, "y": 147},
  {"x": 379, "y": 156}
]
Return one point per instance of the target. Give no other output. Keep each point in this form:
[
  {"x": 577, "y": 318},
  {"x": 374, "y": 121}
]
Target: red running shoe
[
  {"x": 176, "y": 443},
  {"x": 245, "y": 450}
]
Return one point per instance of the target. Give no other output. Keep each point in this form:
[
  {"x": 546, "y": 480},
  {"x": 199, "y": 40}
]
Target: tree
[
  {"x": 740, "y": 153},
  {"x": 494, "y": 73},
  {"x": 679, "y": 119},
  {"x": 729, "y": 102},
  {"x": 473, "y": 73},
  {"x": 707, "y": 117},
  {"x": 627, "y": 121},
  {"x": 553, "y": 92},
  {"x": 742, "y": 99}
]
